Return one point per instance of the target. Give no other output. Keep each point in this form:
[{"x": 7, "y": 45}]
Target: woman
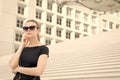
[{"x": 29, "y": 61}]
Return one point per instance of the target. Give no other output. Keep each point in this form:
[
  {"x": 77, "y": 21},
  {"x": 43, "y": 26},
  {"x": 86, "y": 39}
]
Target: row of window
[
  {"x": 47, "y": 41},
  {"x": 59, "y": 9},
  {"x": 59, "y": 31},
  {"x": 110, "y": 24},
  {"x": 68, "y": 12},
  {"x": 19, "y": 36},
  {"x": 49, "y": 29},
  {"x": 21, "y": 9},
  {"x": 68, "y": 24},
  {"x": 49, "y": 16},
  {"x": 39, "y": 3}
]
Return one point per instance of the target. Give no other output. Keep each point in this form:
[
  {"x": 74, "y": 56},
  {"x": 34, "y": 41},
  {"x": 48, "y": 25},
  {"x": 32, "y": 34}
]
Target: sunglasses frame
[{"x": 31, "y": 28}]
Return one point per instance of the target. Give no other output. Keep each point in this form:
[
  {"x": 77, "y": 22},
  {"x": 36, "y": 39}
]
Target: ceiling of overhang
[{"x": 99, "y": 5}]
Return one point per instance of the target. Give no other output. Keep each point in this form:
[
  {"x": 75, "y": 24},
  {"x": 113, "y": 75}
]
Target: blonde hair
[{"x": 37, "y": 25}]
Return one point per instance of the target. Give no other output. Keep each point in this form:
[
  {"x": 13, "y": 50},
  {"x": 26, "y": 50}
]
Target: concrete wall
[{"x": 7, "y": 25}]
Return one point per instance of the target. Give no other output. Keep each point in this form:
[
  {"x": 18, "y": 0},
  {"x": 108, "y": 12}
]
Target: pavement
[{"x": 5, "y": 72}]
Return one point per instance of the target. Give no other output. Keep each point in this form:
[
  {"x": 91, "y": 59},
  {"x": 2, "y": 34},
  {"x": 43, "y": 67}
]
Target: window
[
  {"x": 22, "y": 0},
  {"x": 49, "y": 6},
  {"x": 69, "y": 11},
  {"x": 77, "y": 25},
  {"x": 19, "y": 23},
  {"x": 85, "y": 27},
  {"x": 15, "y": 49},
  {"x": 20, "y": 10},
  {"x": 93, "y": 29},
  {"x": 104, "y": 23},
  {"x": 85, "y": 17},
  {"x": 49, "y": 17},
  {"x": 77, "y": 35},
  {"x": 104, "y": 30},
  {"x": 59, "y": 20},
  {"x": 93, "y": 19},
  {"x": 59, "y": 8},
  {"x": 85, "y": 35},
  {"x": 18, "y": 37},
  {"x": 68, "y": 23},
  {"x": 48, "y": 30},
  {"x": 38, "y": 14},
  {"x": 47, "y": 41},
  {"x": 110, "y": 25},
  {"x": 68, "y": 34},
  {"x": 58, "y": 32},
  {"x": 117, "y": 26},
  {"x": 39, "y": 3},
  {"x": 77, "y": 14},
  {"x": 57, "y": 41}
]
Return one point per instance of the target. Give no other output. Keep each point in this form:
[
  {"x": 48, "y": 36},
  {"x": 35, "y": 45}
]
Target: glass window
[
  {"x": 59, "y": 8},
  {"x": 68, "y": 11},
  {"x": 49, "y": 17},
  {"x": 77, "y": 14},
  {"x": 85, "y": 17},
  {"x": 93, "y": 19},
  {"x": 59, "y": 20},
  {"x": 39, "y": 3},
  {"x": 18, "y": 37},
  {"x": 117, "y": 26},
  {"x": 22, "y": 0},
  {"x": 58, "y": 32},
  {"x": 38, "y": 14},
  {"x": 93, "y": 29},
  {"x": 48, "y": 30},
  {"x": 85, "y": 35},
  {"x": 77, "y": 35},
  {"x": 47, "y": 41},
  {"x": 20, "y": 10},
  {"x": 68, "y": 23},
  {"x": 49, "y": 5},
  {"x": 104, "y": 23},
  {"x": 110, "y": 25},
  {"x": 68, "y": 35},
  {"x": 77, "y": 25},
  {"x": 57, "y": 41},
  {"x": 19, "y": 23},
  {"x": 85, "y": 27},
  {"x": 104, "y": 30}
]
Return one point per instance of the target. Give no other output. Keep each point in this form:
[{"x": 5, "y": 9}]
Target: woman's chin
[{"x": 29, "y": 36}]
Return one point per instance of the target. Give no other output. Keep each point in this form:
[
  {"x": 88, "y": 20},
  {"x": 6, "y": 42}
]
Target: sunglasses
[{"x": 25, "y": 28}]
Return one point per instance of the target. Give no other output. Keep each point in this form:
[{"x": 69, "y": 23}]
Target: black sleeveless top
[{"x": 29, "y": 58}]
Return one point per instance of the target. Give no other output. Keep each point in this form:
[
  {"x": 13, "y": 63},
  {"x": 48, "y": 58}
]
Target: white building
[{"x": 58, "y": 22}]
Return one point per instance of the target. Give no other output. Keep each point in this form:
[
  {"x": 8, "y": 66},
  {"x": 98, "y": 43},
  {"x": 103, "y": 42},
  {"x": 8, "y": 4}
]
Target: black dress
[{"x": 29, "y": 58}]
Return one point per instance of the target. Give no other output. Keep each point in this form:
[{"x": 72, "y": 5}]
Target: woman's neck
[{"x": 34, "y": 42}]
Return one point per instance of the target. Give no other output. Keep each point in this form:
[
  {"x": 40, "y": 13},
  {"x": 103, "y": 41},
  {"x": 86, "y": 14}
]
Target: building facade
[{"x": 58, "y": 22}]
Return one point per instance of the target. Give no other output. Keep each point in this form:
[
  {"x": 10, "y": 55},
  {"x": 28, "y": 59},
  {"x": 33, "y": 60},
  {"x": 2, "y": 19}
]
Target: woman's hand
[
  {"x": 15, "y": 70},
  {"x": 25, "y": 40}
]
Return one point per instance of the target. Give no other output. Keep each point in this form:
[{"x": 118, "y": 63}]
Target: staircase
[{"x": 89, "y": 58}]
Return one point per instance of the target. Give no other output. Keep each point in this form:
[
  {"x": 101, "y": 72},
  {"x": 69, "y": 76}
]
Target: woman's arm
[
  {"x": 15, "y": 59},
  {"x": 35, "y": 71}
]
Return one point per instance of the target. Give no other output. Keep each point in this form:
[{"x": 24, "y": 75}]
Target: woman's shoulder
[{"x": 44, "y": 47}]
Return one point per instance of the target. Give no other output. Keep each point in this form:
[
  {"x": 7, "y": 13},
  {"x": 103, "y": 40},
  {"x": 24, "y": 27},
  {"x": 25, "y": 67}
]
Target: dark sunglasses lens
[
  {"x": 26, "y": 28},
  {"x": 32, "y": 27}
]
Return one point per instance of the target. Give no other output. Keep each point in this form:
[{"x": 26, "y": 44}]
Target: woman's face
[{"x": 30, "y": 29}]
